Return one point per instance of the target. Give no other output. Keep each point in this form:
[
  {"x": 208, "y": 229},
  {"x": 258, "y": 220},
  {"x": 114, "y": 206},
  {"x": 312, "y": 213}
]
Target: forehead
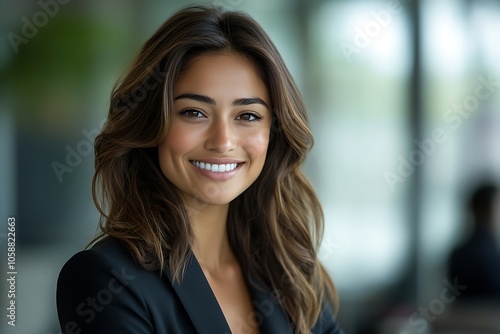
[{"x": 222, "y": 74}]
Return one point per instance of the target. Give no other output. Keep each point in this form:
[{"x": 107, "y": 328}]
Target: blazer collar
[
  {"x": 199, "y": 301},
  {"x": 204, "y": 311}
]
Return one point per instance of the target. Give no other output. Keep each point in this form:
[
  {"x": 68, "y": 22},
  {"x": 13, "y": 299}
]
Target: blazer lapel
[
  {"x": 199, "y": 301},
  {"x": 274, "y": 318}
]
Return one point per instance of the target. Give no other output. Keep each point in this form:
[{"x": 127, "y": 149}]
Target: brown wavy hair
[{"x": 274, "y": 227}]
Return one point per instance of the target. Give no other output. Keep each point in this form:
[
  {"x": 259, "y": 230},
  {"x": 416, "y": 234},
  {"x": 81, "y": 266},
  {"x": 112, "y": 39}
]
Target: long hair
[{"x": 274, "y": 227}]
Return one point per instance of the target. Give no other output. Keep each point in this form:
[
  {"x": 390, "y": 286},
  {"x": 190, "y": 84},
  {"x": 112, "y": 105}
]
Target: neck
[{"x": 211, "y": 243}]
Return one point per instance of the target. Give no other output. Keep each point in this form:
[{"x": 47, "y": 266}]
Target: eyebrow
[{"x": 211, "y": 101}]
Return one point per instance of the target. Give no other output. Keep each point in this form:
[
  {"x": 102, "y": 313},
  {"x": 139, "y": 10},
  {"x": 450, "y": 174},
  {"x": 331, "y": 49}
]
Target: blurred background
[{"x": 405, "y": 108}]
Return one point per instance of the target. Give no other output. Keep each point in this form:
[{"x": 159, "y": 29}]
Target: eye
[
  {"x": 192, "y": 113},
  {"x": 249, "y": 117}
]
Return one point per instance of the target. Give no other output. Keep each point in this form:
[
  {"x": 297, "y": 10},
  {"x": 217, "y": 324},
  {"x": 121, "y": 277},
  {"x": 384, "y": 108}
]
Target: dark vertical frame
[{"x": 415, "y": 133}]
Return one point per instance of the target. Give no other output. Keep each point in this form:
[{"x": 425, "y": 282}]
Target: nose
[{"x": 221, "y": 137}]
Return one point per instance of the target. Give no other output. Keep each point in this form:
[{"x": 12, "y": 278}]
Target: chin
[{"x": 203, "y": 200}]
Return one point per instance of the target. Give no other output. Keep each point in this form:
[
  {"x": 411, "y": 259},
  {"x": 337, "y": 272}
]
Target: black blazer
[{"x": 103, "y": 290}]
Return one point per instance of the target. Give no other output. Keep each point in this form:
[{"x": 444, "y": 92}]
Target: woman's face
[{"x": 217, "y": 143}]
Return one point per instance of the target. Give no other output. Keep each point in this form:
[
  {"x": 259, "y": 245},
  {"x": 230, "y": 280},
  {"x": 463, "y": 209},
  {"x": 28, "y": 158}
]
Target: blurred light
[
  {"x": 486, "y": 21},
  {"x": 446, "y": 48},
  {"x": 383, "y": 29},
  {"x": 360, "y": 124}
]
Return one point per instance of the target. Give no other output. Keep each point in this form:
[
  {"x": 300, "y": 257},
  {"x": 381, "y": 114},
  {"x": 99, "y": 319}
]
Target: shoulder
[
  {"x": 105, "y": 282},
  {"x": 107, "y": 249},
  {"x": 107, "y": 260}
]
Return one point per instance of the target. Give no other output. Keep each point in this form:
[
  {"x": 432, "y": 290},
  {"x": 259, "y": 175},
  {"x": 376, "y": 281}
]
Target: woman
[{"x": 208, "y": 224}]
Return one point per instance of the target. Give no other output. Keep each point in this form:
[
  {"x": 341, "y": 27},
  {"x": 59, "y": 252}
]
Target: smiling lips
[{"x": 216, "y": 168}]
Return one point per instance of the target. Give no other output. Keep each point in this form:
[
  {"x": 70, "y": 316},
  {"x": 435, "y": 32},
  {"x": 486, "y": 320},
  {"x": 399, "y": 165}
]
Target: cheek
[
  {"x": 177, "y": 141},
  {"x": 171, "y": 150},
  {"x": 256, "y": 144}
]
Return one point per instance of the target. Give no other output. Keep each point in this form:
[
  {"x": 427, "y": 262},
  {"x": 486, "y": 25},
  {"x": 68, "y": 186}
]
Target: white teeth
[{"x": 215, "y": 167}]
